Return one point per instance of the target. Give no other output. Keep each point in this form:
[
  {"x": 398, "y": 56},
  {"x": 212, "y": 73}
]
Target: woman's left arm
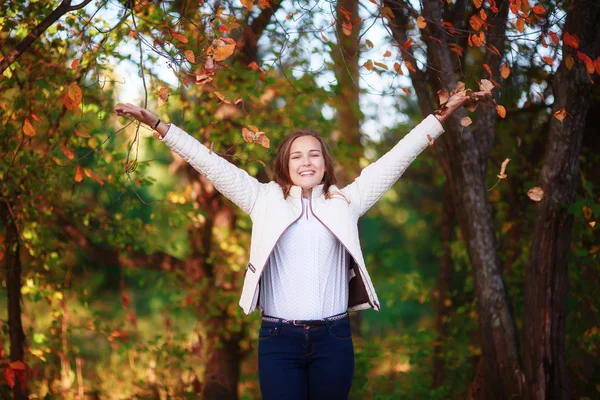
[{"x": 378, "y": 177}]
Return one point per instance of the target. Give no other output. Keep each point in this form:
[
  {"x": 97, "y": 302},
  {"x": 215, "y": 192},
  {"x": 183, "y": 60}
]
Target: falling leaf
[
  {"x": 443, "y": 96},
  {"x": 82, "y": 134},
  {"x": 28, "y": 128},
  {"x": 248, "y": 135},
  {"x": 179, "y": 37},
  {"x": 78, "y": 174},
  {"x": 407, "y": 91},
  {"x": 387, "y": 53},
  {"x": 538, "y": 9},
  {"x": 262, "y": 139},
  {"x": 502, "y": 174},
  {"x": 369, "y": 43},
  {"x": 68, "y": 153},
  {"x": 75, "y": 93},
  {"x": 589, "y": 64},
  {"x": 75, "y": 63},
  {"x": 548, "y": 60},
  {"x": 253, "y": 65},
  {"x": 163, "y": 96},
  {"x": 560, "y": 114},
  {"x": 487, "y": 68},
  {"x": 368, "y": 65},
  {"x": 35, "y": 117},
  {"x": 421, "y": 22},
  {"x": 190, "y": 56},
  {"x": 90, "y": 174},
  {"x": 398, "y": 69},
  {"x": 571, "y": 40},
  {"x": 505, "y": 71},
  {"x": 501, "y": 111},
  {"x": 224, "y": 48},
  {"x": 430, "y": 139},
  {"x": 486, "y": 85},
  {"x": 466, "y": 121},
  {"x": 536, "y": 193},
  {"x": 381, "y": 65},
  {"x": 248, "y": 4},
  {"x": 222, "y": 97}
]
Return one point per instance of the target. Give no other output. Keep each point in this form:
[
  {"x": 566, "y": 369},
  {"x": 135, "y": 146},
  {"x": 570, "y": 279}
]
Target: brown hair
[{"x": 282, "y": 170}]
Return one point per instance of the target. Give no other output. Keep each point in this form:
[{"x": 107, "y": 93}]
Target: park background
[{"x": 121, "y": 266}]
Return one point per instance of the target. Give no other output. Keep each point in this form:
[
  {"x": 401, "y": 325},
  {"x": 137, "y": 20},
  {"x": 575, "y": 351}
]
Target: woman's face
[{"x": 306, "y": 163}]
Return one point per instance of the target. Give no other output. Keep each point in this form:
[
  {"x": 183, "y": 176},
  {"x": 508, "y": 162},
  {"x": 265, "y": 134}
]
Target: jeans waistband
[{"x": 304, "y": 322}]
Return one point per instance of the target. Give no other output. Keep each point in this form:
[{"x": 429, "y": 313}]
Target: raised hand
[
  {"x": 460, "y": 98},
  {"x": 139, "y": 113}
]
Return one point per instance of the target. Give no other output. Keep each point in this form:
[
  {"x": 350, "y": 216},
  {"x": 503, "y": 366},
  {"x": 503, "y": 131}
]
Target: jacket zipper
[{"x": 348, "y": 251}]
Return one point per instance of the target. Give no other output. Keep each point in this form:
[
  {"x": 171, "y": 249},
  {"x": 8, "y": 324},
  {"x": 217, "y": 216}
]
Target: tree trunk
[
  {"x": 12, "y": 261},
  {"x": 547, "y": 276}
]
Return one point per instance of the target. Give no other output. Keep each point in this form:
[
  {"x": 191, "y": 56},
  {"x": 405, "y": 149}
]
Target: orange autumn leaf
[
  {"x": 553, "y": 36},
  {"x": 75, "y": 93},
  {"x": 443, "y": 96},
  {"x": 35, "y": 117},
  {"x": 410, "y": 66},
  {"x": 477, "y": 3},
  {"x": 69, "y": 104},
  {"x": 406, "y": 44},
  {"x": 387, "y": 53},
  {"x": 487, "y": 68},
  {"x": 78, "y": 174},
  {"x": 82, "y": 134},
  {"x": 248, "y": 4},
  {"x": 548, "y": 60},
  {"x": 90, "y": 174},
  {"x": 476, "y": 22},
  {"x": 589, "y": 64},
  {"x": 407, "y": 91},
  {"x": 571, "y": 40},
  {"x": 10, "y": 377},
  {"x": 569, "y": 62},
  {"x": 398, "y": 69},
  {"x": 75, "y": 63},
  {"x": 505, "y": 71},
  {"x": 224, "y": 48},
  {"x": 347, "y": 28},
  {"x": 482, "y": 15},
  {"x": 597, "y": 65},
  {"x": 381, "y": 65},
  {"x": 501, "y": 111},
  {"x": 190, "y": 56},
  {"x": 369, "y": 43},
  {"x": 538, "y": 9},
  {"x": 28, "y": 128},
  {"x": 68, "y": 153},
  {"x": 421, "y": 23},
  {"x": 253, "y": 65},
  {"x": 560, "y": 114},
  {"x": 520, "y": 25},
  {"x": 163, "y": 96},
  {"x": 368, "y": 65},
  {"x": 179, "y": 36}
]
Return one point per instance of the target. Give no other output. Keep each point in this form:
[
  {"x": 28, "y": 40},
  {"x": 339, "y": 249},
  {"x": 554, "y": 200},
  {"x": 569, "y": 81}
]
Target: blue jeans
[{"x": 305, "y": 362}]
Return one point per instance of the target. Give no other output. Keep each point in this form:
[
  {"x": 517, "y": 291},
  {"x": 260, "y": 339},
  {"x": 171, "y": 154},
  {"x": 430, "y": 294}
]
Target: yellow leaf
[
  {"x": 75, "y": 93},
  {"x": 369, "y": 43},
  {"x": 347, "y": 28},
  {"x": 421, "y": 22},
  {"x": 569, "y": 62},
  {"x": 28, "y": 128},
  {"x": 82, "y": 134},
  {"x": 368, "y": 65},
  {"x": 190, "y": 56},
  {"x": 381, "y": 65},
  {"x": 224, "y": 48}
]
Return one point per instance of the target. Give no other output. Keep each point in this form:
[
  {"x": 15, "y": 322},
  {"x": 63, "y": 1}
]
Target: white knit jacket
[{"x": 272, "y": 214}]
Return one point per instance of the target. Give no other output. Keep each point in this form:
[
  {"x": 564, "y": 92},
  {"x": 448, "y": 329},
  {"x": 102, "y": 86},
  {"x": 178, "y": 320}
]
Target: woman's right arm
[{"x": 233, "y": 182}]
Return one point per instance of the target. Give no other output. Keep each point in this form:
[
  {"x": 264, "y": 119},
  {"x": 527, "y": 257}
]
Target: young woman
[{"x": 306, "y": 268}]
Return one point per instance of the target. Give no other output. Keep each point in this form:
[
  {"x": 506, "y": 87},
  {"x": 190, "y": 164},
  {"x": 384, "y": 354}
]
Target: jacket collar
[{"x": 296, "y": 192}]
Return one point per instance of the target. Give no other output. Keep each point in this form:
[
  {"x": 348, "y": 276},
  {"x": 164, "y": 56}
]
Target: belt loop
[{"x": 279, "y": 325}]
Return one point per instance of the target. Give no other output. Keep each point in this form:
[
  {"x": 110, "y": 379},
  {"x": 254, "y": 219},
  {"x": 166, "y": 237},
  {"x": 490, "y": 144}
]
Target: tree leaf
[
  {"x": 538, "y": 9},
  {"x": 387, "y": 53},
  {"x": 224, "y": 48},
  {"x": 548, "y": 60},
  {"x": 443, "y": 96},
  {"x": 477, "y": 3},
  {"x": 560, "y": 114},
  {"x": 589, "y": 64},
  {"x": 488, "y": 69},
  {"x": 502, "y": 174},
  {"x": 554, "y": 37},
  {"x": 571, "y": 40},
  {"x": 82, "y": 134},
  {"x": 163, "y": 96},
  {"x": 505, "y": 71},
  {"x": 68, "y": 153},
  {"x": 90, "y": 174},
  {"x": 520, "y": 25},
  {"x": 369, "y": 43},
  {"x": 421, "y": 23},
  {"x": 536, "y": 193},
  {"x": 190, "y": 56},
  {"x": 381, "y": 65},
  {"x": 501, "y": 111},
  {"x": 179, "y": 36},
  {"x": 10, "y": 377},
  {"x": 347, "y": 28},
  {"x": 253, "y": 65},
  {"x": 407, "y": 44},
  {"x": 486, "y": 85},
  {"x": 28, "y": 128},
  {"x": 75, "y": 63},
  {"x": 398, "y": 69},
  {"x": 78, "y": 174},
  {"x": 407, "y": 91},
  {"x": 569, "y": 62},
  {"x": 75, "y": 93},
  {"x": 248, "y": 4},
  {"x": 368, "y": 65},
  {"x": 323, "y": 37},
  {"x": 410, "y": 66}
]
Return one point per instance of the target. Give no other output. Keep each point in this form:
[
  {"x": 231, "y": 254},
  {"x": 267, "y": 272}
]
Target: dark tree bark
[
  {"x": 12, "y": 261},
  {"x": 547, "y": 275}
]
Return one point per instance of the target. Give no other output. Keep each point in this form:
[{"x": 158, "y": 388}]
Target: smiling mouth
[{"x": 307, "y": 173}]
